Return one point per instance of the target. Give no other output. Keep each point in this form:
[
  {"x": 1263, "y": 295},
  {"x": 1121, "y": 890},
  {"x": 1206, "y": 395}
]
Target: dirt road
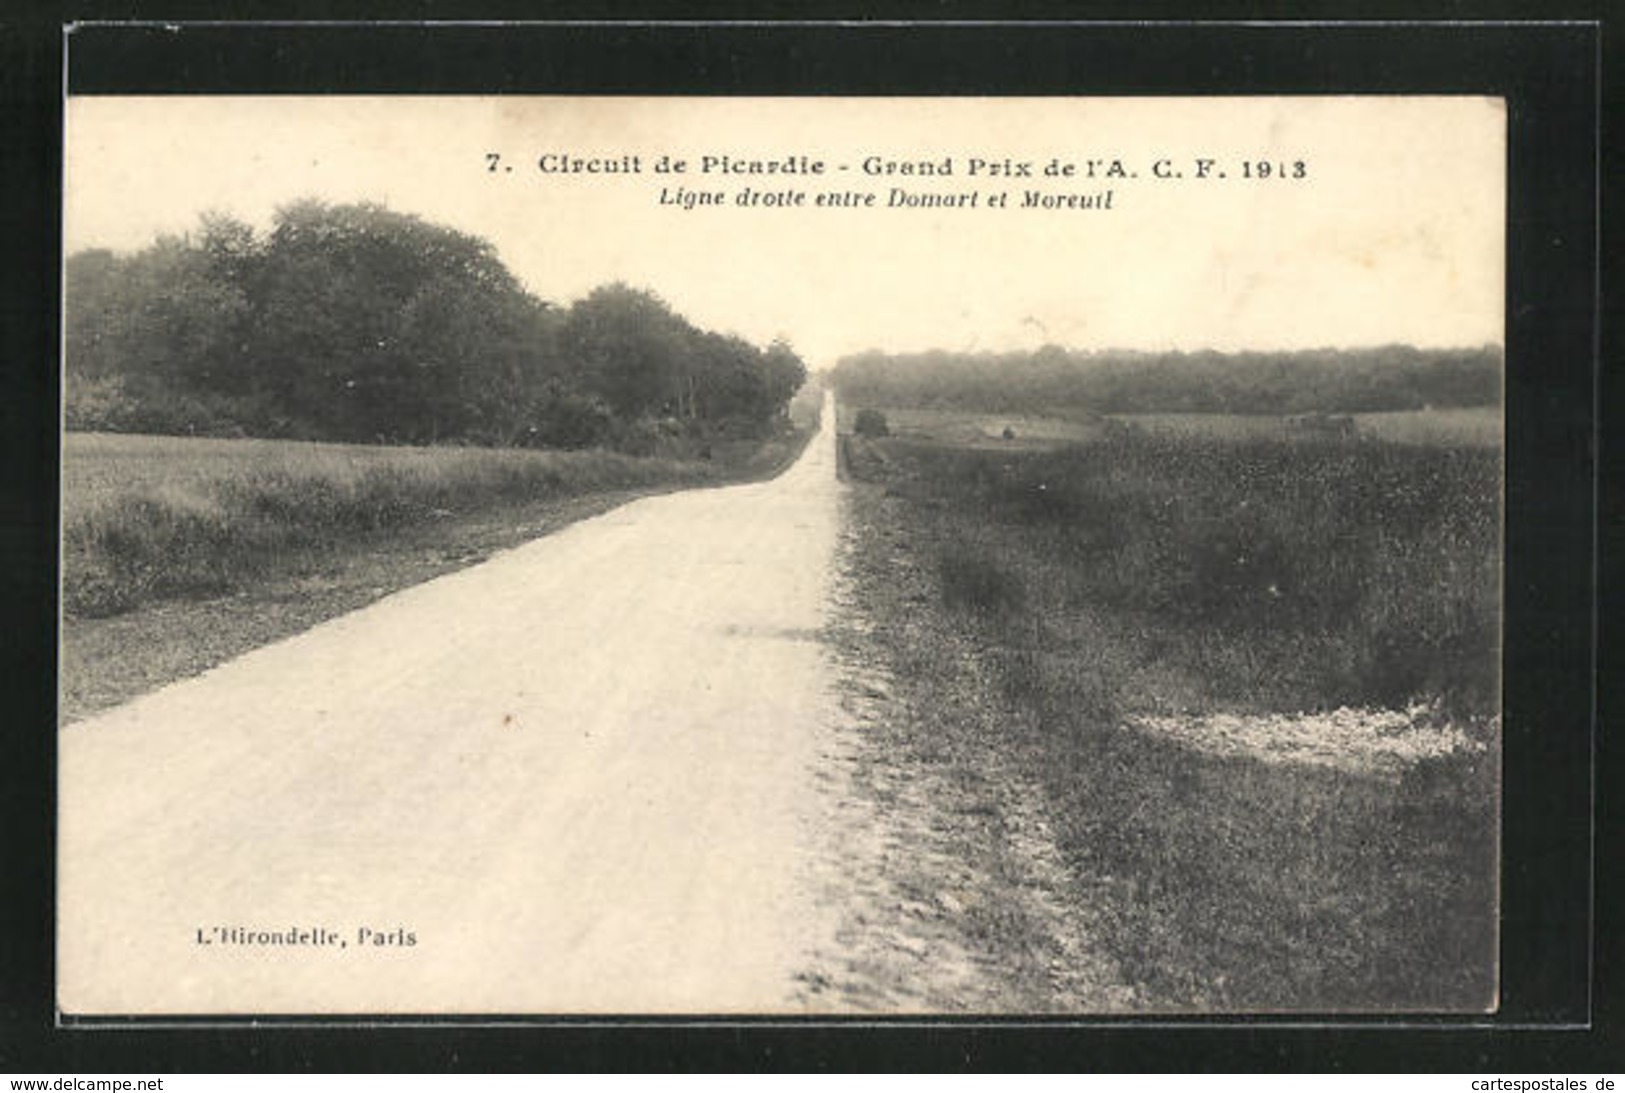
[{"x": 580, "y": 777}]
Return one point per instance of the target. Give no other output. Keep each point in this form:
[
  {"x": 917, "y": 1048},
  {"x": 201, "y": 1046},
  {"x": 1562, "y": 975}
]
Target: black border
[{"x": 1548, "y": 72}]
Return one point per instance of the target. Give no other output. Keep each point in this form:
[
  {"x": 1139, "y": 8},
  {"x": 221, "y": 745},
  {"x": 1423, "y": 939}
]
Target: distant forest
[
  {"x": 1118, "y": 382},
  {"x": 356, "y": 323}
]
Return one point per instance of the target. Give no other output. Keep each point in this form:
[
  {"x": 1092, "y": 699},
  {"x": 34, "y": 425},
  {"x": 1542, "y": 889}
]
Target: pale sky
[{"x": 1396, "y": 234}]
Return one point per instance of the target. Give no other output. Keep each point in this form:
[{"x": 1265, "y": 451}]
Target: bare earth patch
[{"x": 1359, "y": 740}]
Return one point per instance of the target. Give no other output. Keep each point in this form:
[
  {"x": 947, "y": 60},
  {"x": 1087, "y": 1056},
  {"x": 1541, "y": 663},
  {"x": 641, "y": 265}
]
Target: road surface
[{"x": 578, "y": 778}]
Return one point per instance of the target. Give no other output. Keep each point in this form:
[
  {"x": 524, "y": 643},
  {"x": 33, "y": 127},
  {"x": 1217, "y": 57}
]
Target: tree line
[
  {"x": 1115, "y": 382},
  {"x": 358, "y": 323}
]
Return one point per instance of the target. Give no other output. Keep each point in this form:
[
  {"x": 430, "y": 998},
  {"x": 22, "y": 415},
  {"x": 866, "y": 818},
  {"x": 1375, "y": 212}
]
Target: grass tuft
[{"x": 972, "y": 583}]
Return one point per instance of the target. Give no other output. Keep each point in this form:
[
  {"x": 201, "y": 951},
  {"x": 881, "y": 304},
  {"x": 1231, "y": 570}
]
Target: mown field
[
  {"x": 1238, "y": 586},
  {"x": 1470, "y": 427}
]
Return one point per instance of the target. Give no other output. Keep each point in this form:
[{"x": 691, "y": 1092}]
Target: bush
[
  {"x": 566, "y": 419},
  {"x": 871, "y": 423}
]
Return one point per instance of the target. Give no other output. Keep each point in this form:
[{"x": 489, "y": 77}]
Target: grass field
[
  {"x": 1475, "y": 427},
  {"x": 1258, "y": 677},
  {"x": 147, "y": 518},
  {"x": 1480, "y": 426}
]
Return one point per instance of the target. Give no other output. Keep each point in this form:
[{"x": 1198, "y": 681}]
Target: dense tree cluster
[
  {"x": 353, "y": 322},
  {"x": 1322, "y": 380}
]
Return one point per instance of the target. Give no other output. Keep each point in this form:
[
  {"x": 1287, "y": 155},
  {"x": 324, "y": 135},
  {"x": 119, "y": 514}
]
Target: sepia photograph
[{"x": 781, "y": 557}]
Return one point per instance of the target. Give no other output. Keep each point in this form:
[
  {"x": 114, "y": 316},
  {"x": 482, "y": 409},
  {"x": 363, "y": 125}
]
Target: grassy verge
[
  {"x": 1144, "y": 574},
  {"x": 179, "y": 553}
]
